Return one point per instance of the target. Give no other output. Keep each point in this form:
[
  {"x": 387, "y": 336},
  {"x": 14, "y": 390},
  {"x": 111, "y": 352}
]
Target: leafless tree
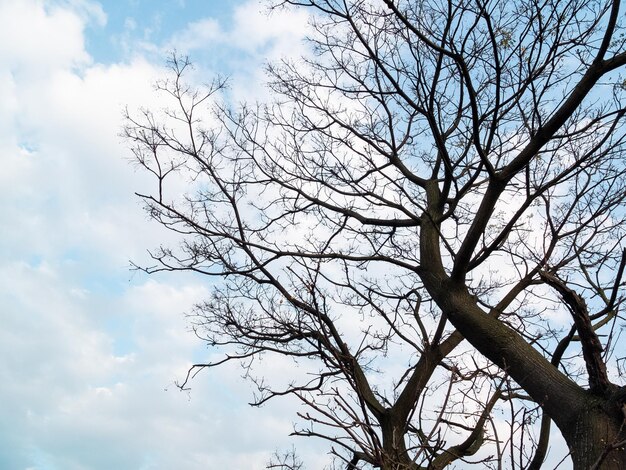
[{"x": 438, "y": 185}]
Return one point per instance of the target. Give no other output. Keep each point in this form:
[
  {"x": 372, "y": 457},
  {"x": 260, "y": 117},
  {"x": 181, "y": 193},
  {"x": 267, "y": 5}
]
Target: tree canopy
[{"x": 428, "y": 219}]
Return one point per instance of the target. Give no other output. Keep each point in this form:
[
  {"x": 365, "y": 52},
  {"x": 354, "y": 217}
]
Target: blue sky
[
  {"x": 149, "y": 20},
  {"x": 90, "y": 350}
]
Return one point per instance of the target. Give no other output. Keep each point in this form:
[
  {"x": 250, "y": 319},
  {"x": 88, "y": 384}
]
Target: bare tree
[{"x": 436, "y": 178}]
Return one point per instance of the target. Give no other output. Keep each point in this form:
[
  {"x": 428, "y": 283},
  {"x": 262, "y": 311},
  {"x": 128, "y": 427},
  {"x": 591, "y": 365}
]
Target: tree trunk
[
  {"x": 597, "y": 438},
  {"x": 592, "y": 426},
  {"x": 395, "y": 453}
]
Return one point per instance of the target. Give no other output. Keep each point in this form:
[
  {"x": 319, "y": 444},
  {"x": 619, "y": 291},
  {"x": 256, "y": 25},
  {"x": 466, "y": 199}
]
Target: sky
[{"x": 91, "y": 349}]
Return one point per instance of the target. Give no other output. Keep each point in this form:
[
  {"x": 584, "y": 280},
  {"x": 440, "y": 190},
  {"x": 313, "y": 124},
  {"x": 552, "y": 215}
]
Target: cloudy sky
[{"x": 90, "y": 350}]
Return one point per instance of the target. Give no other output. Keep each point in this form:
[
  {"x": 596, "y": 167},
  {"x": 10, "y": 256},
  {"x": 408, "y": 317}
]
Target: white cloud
[
  {"x": 90, "y": 11},
  {"x": 37, "y": 39},
  {"x": 197, "y": 35},
  {"x": 254, "y": 29},
  {"x": 240, "y": 50},
  {"x": 88, "y": 348}
]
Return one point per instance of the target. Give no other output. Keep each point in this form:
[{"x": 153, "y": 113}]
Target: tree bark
[
  {"x": 395, "y": 455},
  {"x": 592, "y": 425},
  {"x": 597, "y": 440}
]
